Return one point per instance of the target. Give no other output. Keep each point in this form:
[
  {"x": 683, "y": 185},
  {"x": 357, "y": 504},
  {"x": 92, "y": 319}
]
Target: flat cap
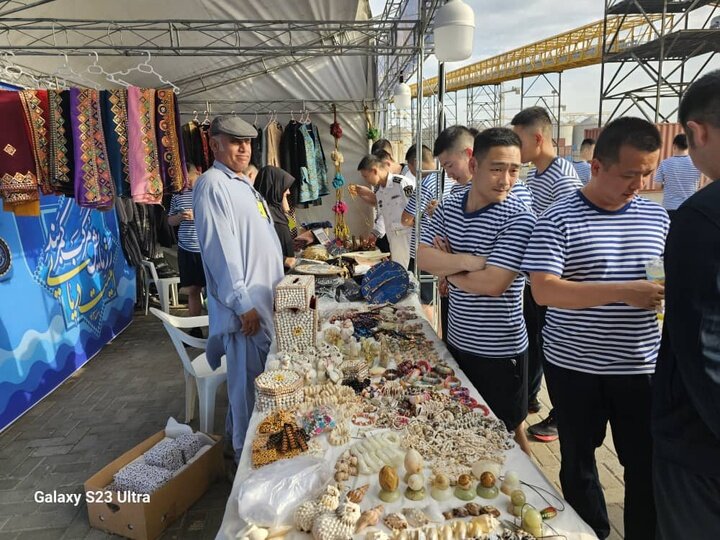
[{"x": 233, "y": 126}]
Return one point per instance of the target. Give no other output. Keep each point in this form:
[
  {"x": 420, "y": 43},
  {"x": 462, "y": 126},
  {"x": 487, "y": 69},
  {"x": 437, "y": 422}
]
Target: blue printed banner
[{"x": 68, "y": 292}]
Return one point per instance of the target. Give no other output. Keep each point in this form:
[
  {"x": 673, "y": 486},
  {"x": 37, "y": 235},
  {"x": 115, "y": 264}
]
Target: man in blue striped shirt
[
  {"x": 552, "y": 179},
  {"x": 686, "y": 388},
  {"x": 476, "y": 239},
  {"x": 586, "y": 262},
  {"x": 678, "y": 176},
  {"x": 582, "y": 165}
]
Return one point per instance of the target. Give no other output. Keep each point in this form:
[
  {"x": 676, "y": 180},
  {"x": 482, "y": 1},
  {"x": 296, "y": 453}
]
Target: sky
[{"x": 502, "y": 25}]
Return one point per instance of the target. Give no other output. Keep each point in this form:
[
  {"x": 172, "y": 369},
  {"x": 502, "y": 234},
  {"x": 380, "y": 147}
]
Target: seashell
[
  {"x": 413, "y": 461},
  {"x": 279, "y": 532},
  {"x": 464, "y": 481},
  {"x": 460, "y": 529},
  {"x": 369, "y": 518},
  {"x": 447, "y": 533},
  {"x": 460, "y": 512},
  {"x": 356, "y": 495},
  {"x": 416, "y": 482},
  {"x": 396, "y": 522},
  {"x": 485, "y": 523},
  {"x": 388, "y": 478},
  {"x": 448, "y": 514},
  {"x": 257, "y": 533},
  {"x": 402, "y": 536},
  {"x": 376, "y": 535},
  {"x": 474, "y": 509},
  {"x": 432, "y": 534},
  {"x": 416, "y": 517}
]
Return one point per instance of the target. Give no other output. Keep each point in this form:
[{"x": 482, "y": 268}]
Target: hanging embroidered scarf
[
  {"x": 93, "y": 181},
  {"x": 172, "y": 166},
  {"x": 192, "y": 143},
  {"x": 113, "y": 104},
  {"x": 145, "y": 180},
  {"x": 309, "y": 189},
  {"x": 35, "y": 104},
  {"x": 320, "y": 163},
  {"x": 18, "y": 169},
  {"x": 61, "y": 144}
]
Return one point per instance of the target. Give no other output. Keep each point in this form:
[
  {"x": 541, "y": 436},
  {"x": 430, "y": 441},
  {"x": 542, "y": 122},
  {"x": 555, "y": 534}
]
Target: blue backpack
[{"x": 385, "y": 282}]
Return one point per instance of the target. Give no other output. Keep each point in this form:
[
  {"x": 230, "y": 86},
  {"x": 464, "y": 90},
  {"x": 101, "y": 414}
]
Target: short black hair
[
  {"x": 492, "y": 137},
  {"x": 681, "y": 141},
  {"x": 383, "y": 155},
  {"x": 630, "y": 131},
  {"x": 474, "y": 131},
  {"x": 453, "y": 138},
  {"x": 381, "y": 144},
  {"x": 587, "y": 142},
  {"x": 701, "y": 102},
  {"x": 533, "y": 117},
  {"x": 370, "y": 161},
  {"x": 411, "y": 154}
]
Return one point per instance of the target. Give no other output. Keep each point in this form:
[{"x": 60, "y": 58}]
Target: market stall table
[{"x": 567, "y": 524}]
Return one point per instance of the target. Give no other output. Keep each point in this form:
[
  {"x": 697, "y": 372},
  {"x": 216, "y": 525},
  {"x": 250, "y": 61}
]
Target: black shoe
[
  {"x": 534, "y": 406},
  {"x": 545, "y": 431}
]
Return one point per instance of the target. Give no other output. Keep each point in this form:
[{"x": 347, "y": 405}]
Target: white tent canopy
[{"x": 247, "y": 84}]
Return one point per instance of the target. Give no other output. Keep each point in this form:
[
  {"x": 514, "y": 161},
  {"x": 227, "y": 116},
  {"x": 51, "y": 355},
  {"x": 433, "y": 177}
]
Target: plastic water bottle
[{"x": 655, "y": 272}]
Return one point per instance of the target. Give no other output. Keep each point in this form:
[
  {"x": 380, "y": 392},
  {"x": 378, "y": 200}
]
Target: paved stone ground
[{"x": 121, "y": 397}]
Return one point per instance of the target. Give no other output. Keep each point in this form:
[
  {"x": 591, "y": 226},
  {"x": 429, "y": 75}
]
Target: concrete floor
[{"x": 121, "y": 397}]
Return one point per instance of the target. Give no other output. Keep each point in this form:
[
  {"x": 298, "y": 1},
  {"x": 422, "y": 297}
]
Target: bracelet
[
  {"x": 431, "y": 379},
  {"x": 399, "y": 422},
  {"x": 364, "y": 419},
  {"x": 459, "y": 392},
  {"x": 452, "y": 382},
  {"x": 424, "y": 366},
  {"x": 391, "y": 374},
  {"x": 444, "y": 370},
  {"x": 469, "y": 402}
]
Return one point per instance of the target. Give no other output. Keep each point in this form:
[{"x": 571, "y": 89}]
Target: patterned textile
[
  {"x": 172, "y": 164},
  {"x": 309, "y": 187},
  {"x": 18, "y": 172},
  {"x": 145, "y": 180},
  {"x": 192, "y": 142},
  {"x": 385, "y": 282},
  {"x": 208, "y": 156},
  {"x": 320, "y": 164},
  {"x": 113, "y": 104},
  {"x": 62, "y": 152},
  {"x": 93, "y": 181},
  {"x": 35, "y": 104}
]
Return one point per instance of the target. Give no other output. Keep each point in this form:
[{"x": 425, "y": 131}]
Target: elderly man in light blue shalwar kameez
[{"x": 243, "y": 263}]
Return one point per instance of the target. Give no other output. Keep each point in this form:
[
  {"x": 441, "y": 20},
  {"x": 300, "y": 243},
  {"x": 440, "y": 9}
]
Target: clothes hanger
[
  {"x": 195, "y": 117},
  {"x": 255, "y": 120},
  {"x": 96, "y": 69},
  {"x": 148, "y": 69},
  {"x": 65, "y": 72},
  {"x": 292, "y": 115},
  {"x": 206, "y": 120}
]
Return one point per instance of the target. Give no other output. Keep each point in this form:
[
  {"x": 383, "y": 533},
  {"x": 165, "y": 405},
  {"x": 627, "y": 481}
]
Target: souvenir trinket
[
  {"x": 532, "y": 521},
  {"x": 389, "y": 482},
  {"x": 464, "y": 489},
  {"x": 309, "y": 510},
  {"x": 510, "y": 483},
  {"x": 369, "y": 518},
  {"x": 396, "y": 522},
  {"x": 487, "y": 488},
  {"x": 338, "y": 525},
  {"x": 517, "y": 502},
  {"x": 415, "y": 490},
  {"x": 440, "y": 488}
]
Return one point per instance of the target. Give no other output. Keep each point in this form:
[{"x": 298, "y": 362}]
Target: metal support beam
[
  {"x": 648, "y": 77},
  {"x": 484, "y": 106},
  {"x": 9, "y": 7}
]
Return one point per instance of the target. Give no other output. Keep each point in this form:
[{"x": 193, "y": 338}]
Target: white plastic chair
[
  {"x": 166, "y": 287},
  {"x": 200, "y": 379}
]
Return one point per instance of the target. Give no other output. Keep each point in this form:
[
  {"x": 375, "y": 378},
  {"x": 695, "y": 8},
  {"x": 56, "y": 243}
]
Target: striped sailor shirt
[
  {"x": 680, "y": 179},
  {"x": 557, "y": 181},
  {"x": 577, "y": 241},
  {"x": 187, "y": 234}
]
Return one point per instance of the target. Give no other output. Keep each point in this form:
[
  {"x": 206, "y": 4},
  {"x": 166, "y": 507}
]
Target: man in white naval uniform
[
  {"x": 392, "y": 196},
  {"x": 243, "y": 263}
]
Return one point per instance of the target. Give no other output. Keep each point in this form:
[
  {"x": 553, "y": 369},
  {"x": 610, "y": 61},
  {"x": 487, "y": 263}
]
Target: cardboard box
[{"x": 114, "y": 513}]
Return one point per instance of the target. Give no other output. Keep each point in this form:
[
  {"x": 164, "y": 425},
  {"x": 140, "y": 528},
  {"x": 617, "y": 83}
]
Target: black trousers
[
  {"x": 688, "y": 505},
  {"x": 584, "y": 404},
  {"x": 444, "y": 310},
  {"x": 534, "y": 321}
]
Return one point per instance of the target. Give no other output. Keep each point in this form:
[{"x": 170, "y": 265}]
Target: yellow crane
[{"x": 576, "y": 48}]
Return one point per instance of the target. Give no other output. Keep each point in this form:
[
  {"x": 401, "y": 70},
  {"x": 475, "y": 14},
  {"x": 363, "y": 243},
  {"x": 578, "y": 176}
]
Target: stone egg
[{"x": 487, "y": 479}]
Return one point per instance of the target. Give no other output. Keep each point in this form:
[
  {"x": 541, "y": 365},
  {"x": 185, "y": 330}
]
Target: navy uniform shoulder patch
[
  {"x": 397, "y": 179},
  {"x": 408, "y": 191}
]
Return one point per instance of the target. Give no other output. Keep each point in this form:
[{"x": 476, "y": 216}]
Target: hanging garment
[
  {"x": 62, "y": 152},
  {"x": 18, "y": 169},
  {"x": 208, "y": 157},
  {"x": 309, "y": 188},
  {"x": 128, "y": 231},
  {"x": 256, "y": 145},
  {"x": 145, "y": 180},
  {"x": 93, "y": 182},
  {"x": 320, "y": 164},
  {"x": 292, "y": 157},
  {"x": 172, "y": 164},
  {"x": 113, "y": 104},
  {"x": 35, "y": 103},
  {"x": 274, "y": 133},
  {"x": 192, "y": 142}
]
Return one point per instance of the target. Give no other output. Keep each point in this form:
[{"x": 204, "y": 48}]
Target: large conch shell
[{"x": 370, "y": 517}]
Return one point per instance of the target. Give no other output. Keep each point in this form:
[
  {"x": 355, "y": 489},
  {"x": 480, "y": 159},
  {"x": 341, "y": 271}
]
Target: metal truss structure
[
  {"x": 539, "y": 67},
  {"x": 648, "y": 74},
  {"x": 10, "y": 7}
]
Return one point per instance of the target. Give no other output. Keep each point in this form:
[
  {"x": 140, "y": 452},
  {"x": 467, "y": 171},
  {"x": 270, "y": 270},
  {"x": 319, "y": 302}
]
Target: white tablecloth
[{"x": 567, "y": 523}]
